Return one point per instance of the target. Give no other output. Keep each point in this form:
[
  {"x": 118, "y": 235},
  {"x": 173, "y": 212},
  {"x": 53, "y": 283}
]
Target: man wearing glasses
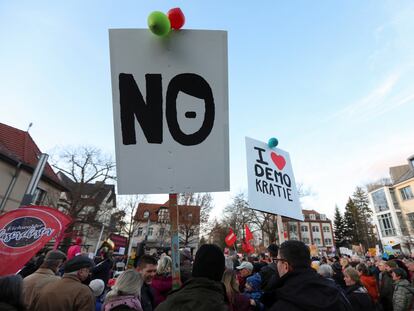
[{"x": 300, "y": 287}]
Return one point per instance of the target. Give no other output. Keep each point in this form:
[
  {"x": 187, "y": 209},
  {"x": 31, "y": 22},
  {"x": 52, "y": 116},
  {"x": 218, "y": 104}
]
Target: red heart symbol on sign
[{"x": 278, "y": 160}]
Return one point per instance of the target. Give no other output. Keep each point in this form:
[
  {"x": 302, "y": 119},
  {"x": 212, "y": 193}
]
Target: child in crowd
[{"x": 253, "y": 291}]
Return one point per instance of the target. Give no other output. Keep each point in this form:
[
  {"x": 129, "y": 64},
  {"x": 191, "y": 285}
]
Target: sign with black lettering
[
  {"x": 272, "y": 186},
  {"x": 170, "y": 104}
]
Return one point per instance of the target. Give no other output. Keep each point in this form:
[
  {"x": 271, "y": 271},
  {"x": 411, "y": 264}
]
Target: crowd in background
[{"x": 282, "y": 278}]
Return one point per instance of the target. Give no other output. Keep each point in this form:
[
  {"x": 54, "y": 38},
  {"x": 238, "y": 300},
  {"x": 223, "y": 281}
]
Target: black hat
[
  {"x": 77, "y": 263},
  {"x": 209, "y": 262},
  {"x": 273, "y": 250},
  {"x": 55, "y": 255}
]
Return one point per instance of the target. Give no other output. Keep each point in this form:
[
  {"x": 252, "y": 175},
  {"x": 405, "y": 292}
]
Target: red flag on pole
[
  {"x": 247, "y": 247},
  {"x": 230, "y": 238},
  {"x": 249, "y": 235},
  {"x": 24, "y": 231}
]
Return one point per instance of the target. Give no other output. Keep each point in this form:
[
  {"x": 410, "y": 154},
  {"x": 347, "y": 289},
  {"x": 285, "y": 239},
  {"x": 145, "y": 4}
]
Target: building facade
[
  {"x": 153, "y": 226},
  {"x": 18, "y": 159},
  {"x": 393, "y": 207},
  {"x": 316, "y": 229}
]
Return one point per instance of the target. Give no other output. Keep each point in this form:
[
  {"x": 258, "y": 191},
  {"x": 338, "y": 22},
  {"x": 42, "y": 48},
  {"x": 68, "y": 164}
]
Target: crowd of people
[{"x": 282, "y": 278}]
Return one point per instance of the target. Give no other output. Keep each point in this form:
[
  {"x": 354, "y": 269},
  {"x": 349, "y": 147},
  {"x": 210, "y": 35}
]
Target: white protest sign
[
  {"x": 170, "y": 104},
  {"x": 272, "y": 186}
]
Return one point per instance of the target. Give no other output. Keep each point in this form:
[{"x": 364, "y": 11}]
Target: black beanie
[{"x": 209, "y": 262}]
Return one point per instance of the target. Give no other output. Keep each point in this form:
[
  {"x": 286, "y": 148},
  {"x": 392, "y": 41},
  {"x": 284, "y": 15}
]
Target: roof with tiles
[{"x": 18, "y": 146}]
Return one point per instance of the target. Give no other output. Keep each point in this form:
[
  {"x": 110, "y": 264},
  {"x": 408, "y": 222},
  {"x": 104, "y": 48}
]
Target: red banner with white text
[{"x": 25, "y": 231}]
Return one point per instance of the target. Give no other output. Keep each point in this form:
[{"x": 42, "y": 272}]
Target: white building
[{"x": 388, "y": 218}]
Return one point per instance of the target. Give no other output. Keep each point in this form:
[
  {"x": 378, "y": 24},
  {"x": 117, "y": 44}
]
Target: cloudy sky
[{"x": 333, "y": 81}]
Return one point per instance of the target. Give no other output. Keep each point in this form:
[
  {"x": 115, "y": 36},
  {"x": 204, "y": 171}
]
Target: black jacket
[
  {"x": 147, "y": 297},
  {"x": 359, "y": 298},
  {"x": 304, "y": 289},
  {"x": 198, "y": 294}
]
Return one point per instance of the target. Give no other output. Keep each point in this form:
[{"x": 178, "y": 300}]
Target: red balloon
[{"x": 176, "y": 17}]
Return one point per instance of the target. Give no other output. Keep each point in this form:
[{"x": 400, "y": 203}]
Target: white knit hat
[{"x": 97, "y": 286}]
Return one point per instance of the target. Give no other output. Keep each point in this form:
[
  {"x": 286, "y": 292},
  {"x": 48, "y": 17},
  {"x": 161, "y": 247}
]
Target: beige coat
[
  {"x": 65, "y": 295},
  {"x": 33, "y": 283}
]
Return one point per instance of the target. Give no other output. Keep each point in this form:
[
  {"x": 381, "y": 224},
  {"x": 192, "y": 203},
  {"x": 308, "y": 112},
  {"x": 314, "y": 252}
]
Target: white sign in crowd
[
  {"x": 271, "y": 182},
  {"x": 170, "y": 107}
]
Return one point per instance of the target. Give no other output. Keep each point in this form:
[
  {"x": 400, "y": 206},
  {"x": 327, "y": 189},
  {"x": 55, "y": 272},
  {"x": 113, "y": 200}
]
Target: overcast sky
[{"x": 332, "y": 80}]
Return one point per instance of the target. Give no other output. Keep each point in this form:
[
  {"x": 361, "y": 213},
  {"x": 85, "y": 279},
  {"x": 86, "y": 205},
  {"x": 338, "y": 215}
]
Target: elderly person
[
  {"x": 46, "y": 274},
  {"x": 125, "y": 293},
  {"x": 357, "y": 294},
  {"x": 68, "y": 293},
  {"x": 11, "y": 297},
  {"x": 244, "y": 271},
  {"x": 326, "y": 271}
]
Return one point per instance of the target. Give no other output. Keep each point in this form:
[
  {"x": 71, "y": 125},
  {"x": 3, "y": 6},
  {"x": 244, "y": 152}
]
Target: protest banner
[
  {"x": 271, "y": 182},
  {"x": 170, "y": 105},
  {"x": 25, "y": 231}
]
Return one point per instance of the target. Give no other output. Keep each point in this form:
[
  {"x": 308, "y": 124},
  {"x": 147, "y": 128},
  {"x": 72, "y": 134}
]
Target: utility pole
[{"x": 34, "y": 181}]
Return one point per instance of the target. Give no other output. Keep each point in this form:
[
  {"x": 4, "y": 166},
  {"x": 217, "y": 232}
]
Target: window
[
  {"x": 328, "y": 242},
  {"x": 146, "y": 214},
  {"x": 150, "y": 230},
  {"x": 411, "y": 219},
  {"x": 315, "y": 228},
  {"x": 292, "y": 228},
  {"x": 304, "y": 228},
  {"x": 386, "y": 225},
  {"x": 294, "y": 238},
  {"x": 162, "y": 231},
  {"x": 326, "y": 229},
  {"x": 163, "y": 215},
  {"x": 317, "y": 241},
  {"x": 406, "y": 193},
  {"x": 39, "y": 196},
  {"x": 305, "y": 240},
  {"x": 380, "y": 201},
  {"x": 323, "y": 217},
  {"x": 190, "y": 216},
  {"x": 139, "y": 231},
  {"x": 312, "y": 216},
  {"x": 403, "y": 227}
]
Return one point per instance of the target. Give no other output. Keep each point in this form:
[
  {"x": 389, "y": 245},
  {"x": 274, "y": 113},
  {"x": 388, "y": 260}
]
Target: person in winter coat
[
  {"x": 300, "y": 287},
  {"x": 147, "y": 267},
  {"x": 102, "y": 271},
  {"x": 237, "y": 301},
  {"x": 253, "y": 291},
  {"x": 204, "y": 291},
  {"x": 11, "y": 293},
  {"x": 162, "y": 281},
  {"x": 357, "y": 294},
  {"x": 68, "y": 293},
  {"x": 368, "y": 281},
  {"x": 386, "y": 284},
  {"x": 46, "y": 274},
  {"x": 125, "y": 294},
  {"x": 97, "y": 287},
  {"x": 75, "y": 249},
  {"x": 402, "y": 299}
]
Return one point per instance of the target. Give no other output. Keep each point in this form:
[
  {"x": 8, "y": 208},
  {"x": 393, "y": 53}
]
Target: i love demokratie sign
[{"x": 271, "y": 182}]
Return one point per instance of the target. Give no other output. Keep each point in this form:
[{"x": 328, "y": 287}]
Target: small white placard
[{"x": 271, "y": 182}]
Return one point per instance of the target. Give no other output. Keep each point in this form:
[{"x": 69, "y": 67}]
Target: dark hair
[
  {"x": 273, "y": 250},
  {"x": 400, "y": 272},
  {"x": 146, "y": 260},
  {"x": 362, "y": 267},
  {"x": 296, "y": 253},
  {"x": 11, "y": 291}
]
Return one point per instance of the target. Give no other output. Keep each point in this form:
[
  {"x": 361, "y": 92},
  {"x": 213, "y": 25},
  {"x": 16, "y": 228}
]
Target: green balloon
[{"x": 158, "y": 23}]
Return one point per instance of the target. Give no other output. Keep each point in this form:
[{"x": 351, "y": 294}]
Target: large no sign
[{"x": 170, "y": 103}]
